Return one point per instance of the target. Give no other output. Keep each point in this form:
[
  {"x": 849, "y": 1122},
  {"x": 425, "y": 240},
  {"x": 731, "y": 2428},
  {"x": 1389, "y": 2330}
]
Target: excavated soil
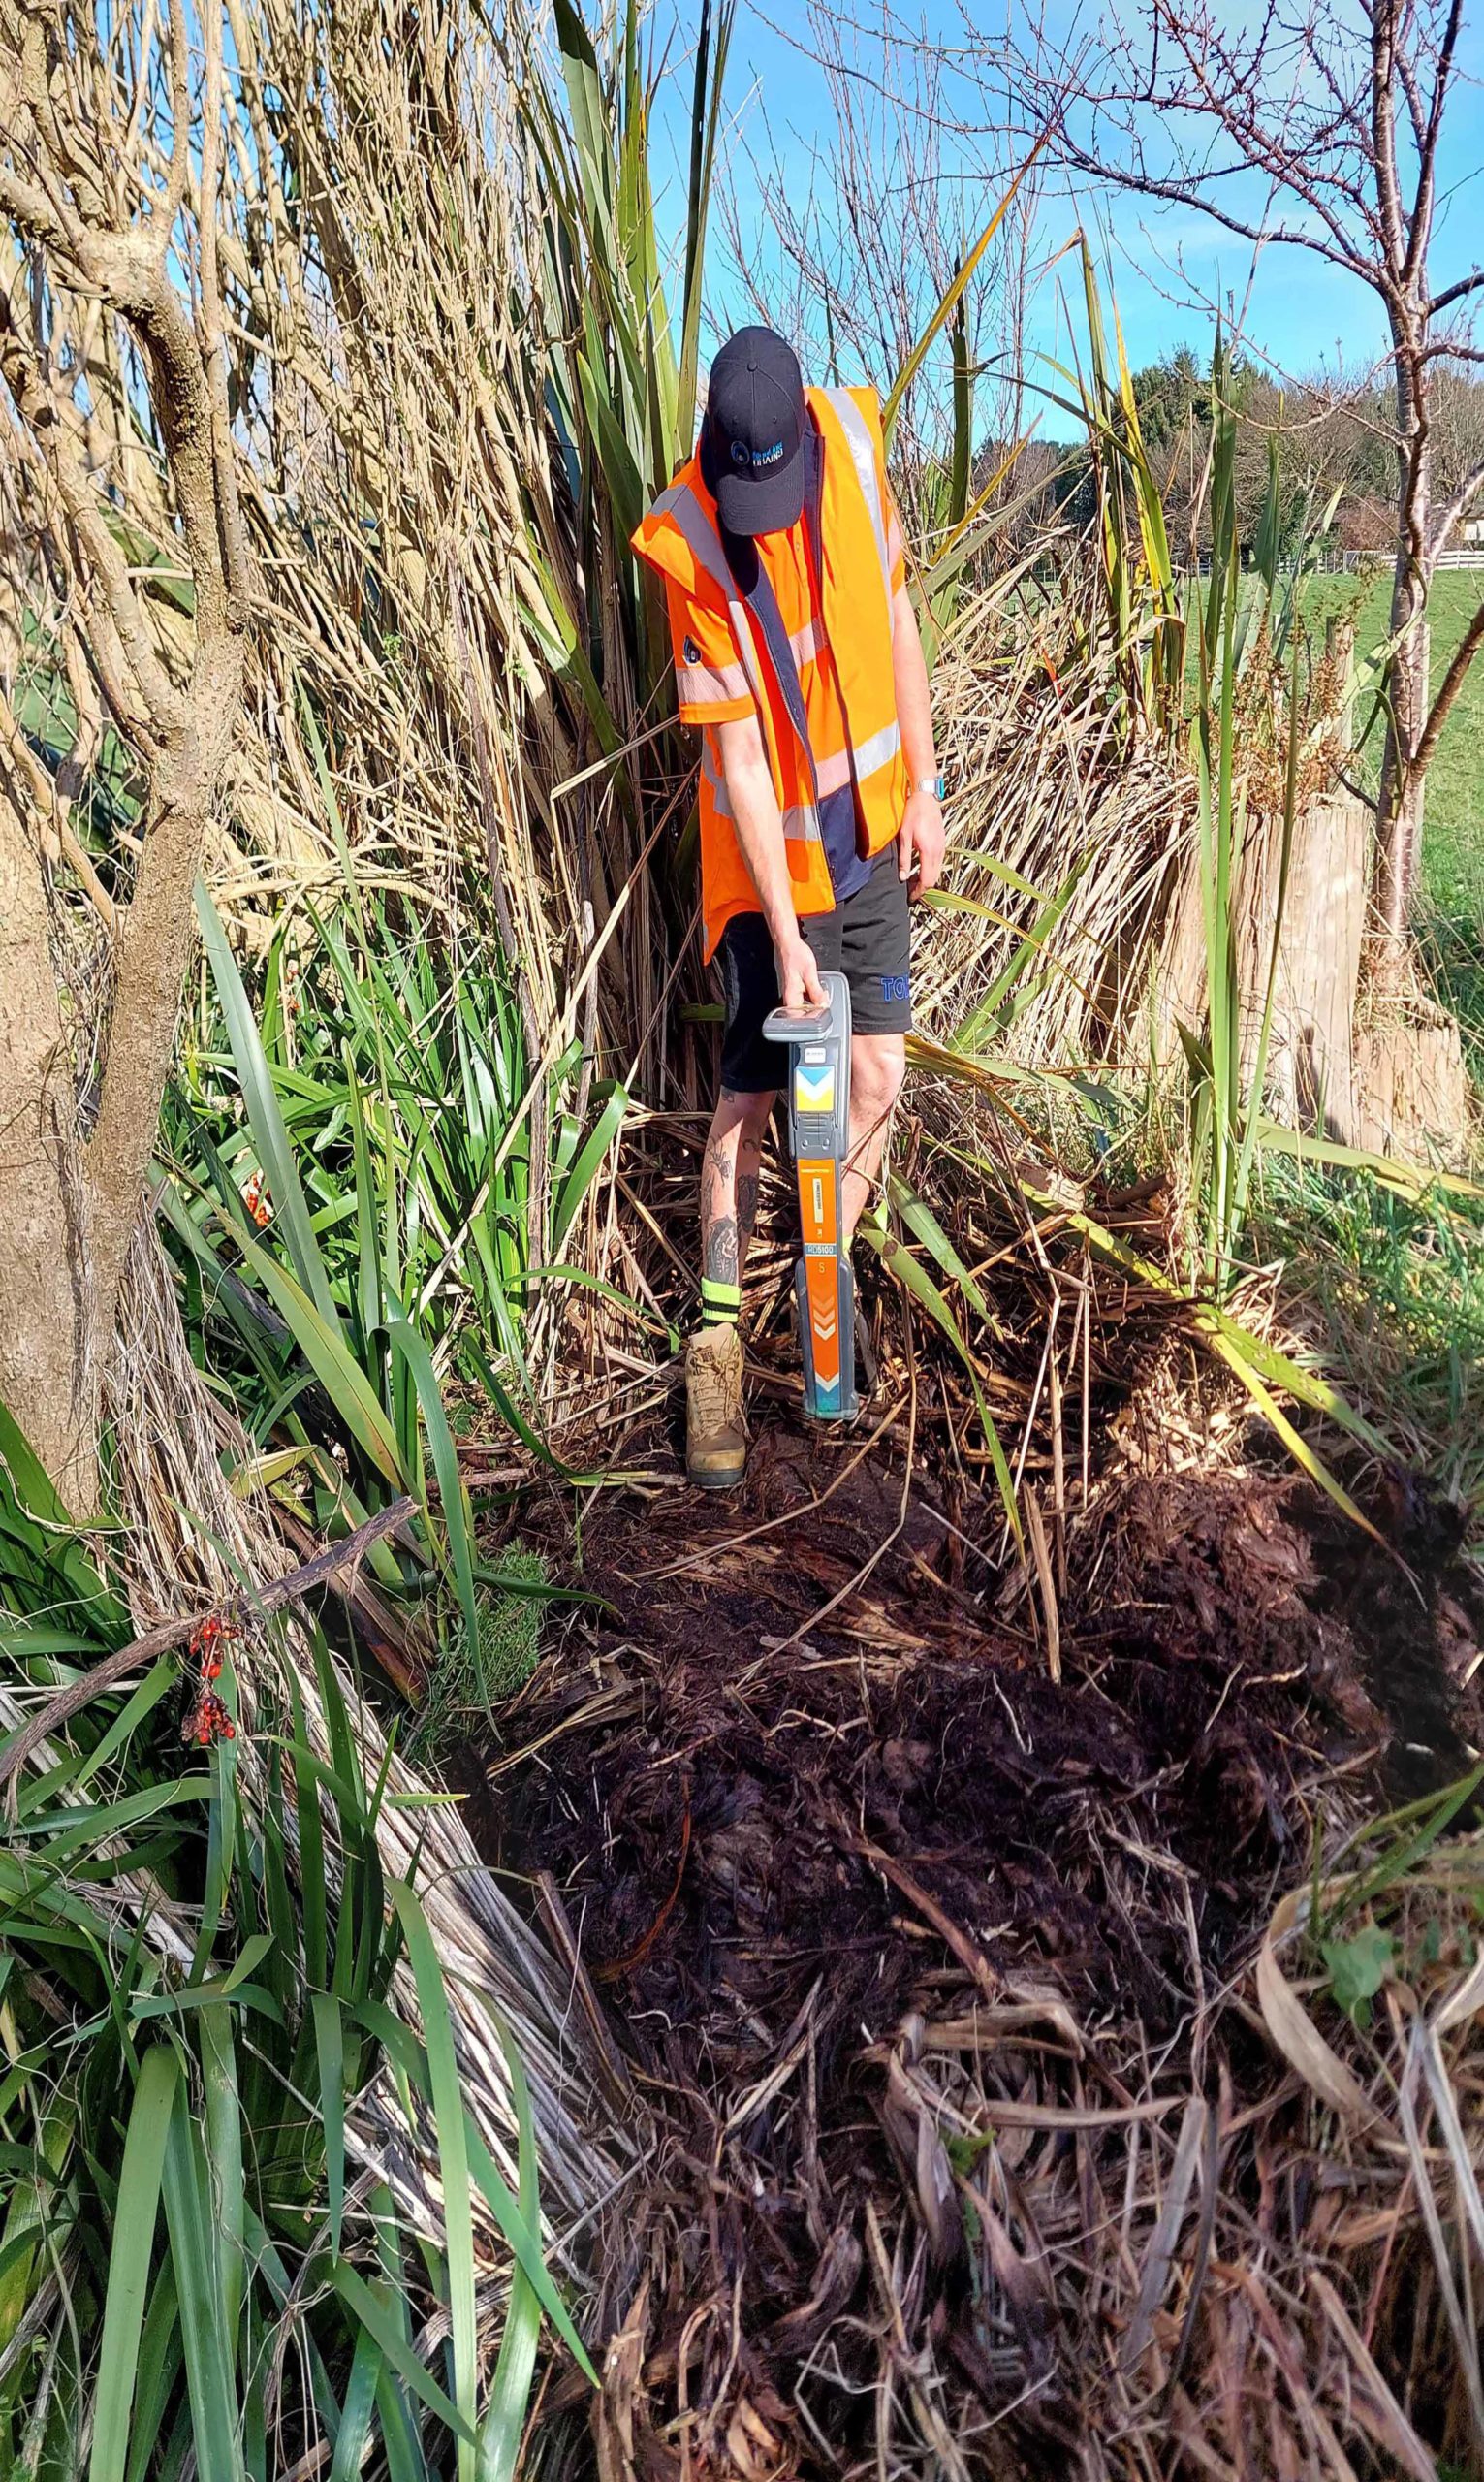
[
  {"x": 797, "y": 1795},
  {"x": 1231, "y": 1649}
]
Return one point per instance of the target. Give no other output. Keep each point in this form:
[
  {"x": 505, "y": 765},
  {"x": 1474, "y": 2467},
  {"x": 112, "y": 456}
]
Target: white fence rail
[
  {"x": 1464, "y": 556},
  {"x": 1346, "y": 564}
]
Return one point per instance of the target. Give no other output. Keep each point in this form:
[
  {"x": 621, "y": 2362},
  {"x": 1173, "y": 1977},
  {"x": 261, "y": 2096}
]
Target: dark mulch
[
  {"x": 1226, "y": 1647},
  {"x": 777, "y": 1832}
]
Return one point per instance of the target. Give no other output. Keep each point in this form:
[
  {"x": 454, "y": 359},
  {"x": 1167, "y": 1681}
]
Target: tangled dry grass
[{"x": 1063, "y": 830}]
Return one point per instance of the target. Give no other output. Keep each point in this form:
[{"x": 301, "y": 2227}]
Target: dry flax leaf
[
  {"x": 834, "y": 2278},
  {"x": 1294, "y": 2032},
  {"x": 1024, "y": 2280},
  {"x": 621, "y": 2391},
  {"x": 1465, "y": 2333},
  {"x": 1445, "y": 2105},
  {"x": 795, "y": 2043},
  {"x": 1159, "y": 2258},
  {"x": 991, "y": 2026},
  {"x": 1050, "y": 1608},
  {"x": 756, "y": 2454},
  {"x": 1009, "y": 2113},
  {"x": 1288, "y": 2354},
  {"x": 1374, "y": 2402},
  {"x": 908, "y": 2123},
  {"x": 1463, "y": 2002}
]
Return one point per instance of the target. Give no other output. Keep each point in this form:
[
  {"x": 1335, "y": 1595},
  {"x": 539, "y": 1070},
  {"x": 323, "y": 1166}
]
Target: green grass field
[{"x": 1453, "y": 839}]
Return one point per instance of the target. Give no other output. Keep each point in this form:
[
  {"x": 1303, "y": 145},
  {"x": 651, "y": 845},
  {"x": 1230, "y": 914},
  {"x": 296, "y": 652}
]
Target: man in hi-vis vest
[{"x": 797, "y": 652}]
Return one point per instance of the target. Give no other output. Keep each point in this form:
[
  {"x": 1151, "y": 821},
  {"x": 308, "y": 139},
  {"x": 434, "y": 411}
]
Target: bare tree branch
[
  {"x": 1448, "y": 517},
  {"x": 1339, "y": 114},
  {"x": 1465, "y": 288},
  {"x": 44, "y": 804},
  {"x": 150, "y": 704},
  {"x": 1453, "y": 681}
]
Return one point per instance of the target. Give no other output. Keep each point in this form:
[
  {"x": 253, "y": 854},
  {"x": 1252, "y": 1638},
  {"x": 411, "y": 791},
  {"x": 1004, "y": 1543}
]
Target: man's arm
[
  {"x": 759, "y": 826},
  {"x": 920, "y": 846}
]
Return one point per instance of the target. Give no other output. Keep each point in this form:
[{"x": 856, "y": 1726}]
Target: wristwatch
[{"x": 931, "y": 785}]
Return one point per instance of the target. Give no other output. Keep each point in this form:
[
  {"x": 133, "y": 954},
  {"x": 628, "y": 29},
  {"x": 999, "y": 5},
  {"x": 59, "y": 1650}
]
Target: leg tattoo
[
  {"x": 721, "y": 1248},
  {"x": 729, "y": 1187},
  {"x": 747, "y": 1194}
]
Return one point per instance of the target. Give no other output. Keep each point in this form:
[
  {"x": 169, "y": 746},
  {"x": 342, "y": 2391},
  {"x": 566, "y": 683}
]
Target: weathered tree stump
[
  {"x": 1411, "y": 1085},
  {"x": 1362, "y": 1056}
]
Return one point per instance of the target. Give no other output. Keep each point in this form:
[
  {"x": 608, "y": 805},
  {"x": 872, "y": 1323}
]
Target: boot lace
[{"x": 715, "y": 1381}]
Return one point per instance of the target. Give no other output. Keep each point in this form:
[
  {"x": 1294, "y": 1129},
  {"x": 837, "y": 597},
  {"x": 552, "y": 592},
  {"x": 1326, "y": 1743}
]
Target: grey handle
[{"x": 812, "y": 1025}]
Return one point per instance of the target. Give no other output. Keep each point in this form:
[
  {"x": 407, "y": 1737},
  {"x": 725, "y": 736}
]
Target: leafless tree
[
  {"x": 855, "y": 252},
  {"x": 1315, "y": 124},
  {"x": 108, "y": 291}
]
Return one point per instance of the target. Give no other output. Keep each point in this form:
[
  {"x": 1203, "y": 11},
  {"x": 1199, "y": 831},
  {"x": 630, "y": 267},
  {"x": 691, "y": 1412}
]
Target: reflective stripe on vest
[
  {"x": 879, "y": 750},
  {"x": 713, "y": 686},
  {"x": 711, "y": 775},
  {"x": 681, "y": 503},
  {"x": 848, "y": 414},
  {"x": 797, "y": 824}
]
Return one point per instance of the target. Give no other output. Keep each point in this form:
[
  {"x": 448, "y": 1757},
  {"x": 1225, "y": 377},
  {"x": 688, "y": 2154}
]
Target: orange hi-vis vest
[{"x": 724, "y": 668}]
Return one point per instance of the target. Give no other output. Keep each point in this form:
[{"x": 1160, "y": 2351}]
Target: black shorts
[{"x": 869, "y": 939}]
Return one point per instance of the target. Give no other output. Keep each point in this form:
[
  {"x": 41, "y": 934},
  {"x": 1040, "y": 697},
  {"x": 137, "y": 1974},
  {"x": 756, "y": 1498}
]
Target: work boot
[{"x": 716, "y": 1429}]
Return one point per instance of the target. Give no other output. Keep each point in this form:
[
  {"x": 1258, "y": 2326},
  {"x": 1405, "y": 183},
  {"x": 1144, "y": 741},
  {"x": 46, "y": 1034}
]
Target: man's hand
[
  {"x": 920, "y": 844},
  {"x": 799, "y": 983}
]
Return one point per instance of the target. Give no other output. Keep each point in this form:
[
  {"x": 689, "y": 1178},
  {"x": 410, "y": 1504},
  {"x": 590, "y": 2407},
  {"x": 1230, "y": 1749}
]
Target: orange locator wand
[{"x": 819, "y": 1135}]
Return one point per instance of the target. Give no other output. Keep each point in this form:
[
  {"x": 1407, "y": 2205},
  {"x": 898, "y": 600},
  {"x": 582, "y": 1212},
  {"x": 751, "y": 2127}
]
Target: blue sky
[{"x": 1300, "y": 313}]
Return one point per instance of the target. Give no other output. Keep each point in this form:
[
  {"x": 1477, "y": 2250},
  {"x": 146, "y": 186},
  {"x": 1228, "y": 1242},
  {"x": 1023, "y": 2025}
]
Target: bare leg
[
  {"x": 729, "y": 1179},
  {"x": 878, "y": 1063}
]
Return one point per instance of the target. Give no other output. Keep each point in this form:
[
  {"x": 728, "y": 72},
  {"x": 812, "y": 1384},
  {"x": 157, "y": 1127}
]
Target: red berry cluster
[
  {"x": 256, "y": 1199},
  {"x": 209, "y": 1720}
]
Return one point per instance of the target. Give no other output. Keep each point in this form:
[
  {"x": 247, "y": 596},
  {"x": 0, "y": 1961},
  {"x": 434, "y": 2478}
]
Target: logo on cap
[
  {"x": 767, "y": 456},
  {"x": 740, "y": 453}
]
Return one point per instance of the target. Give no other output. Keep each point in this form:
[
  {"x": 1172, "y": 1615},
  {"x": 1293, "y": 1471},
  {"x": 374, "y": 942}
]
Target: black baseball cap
[{"x": 752, "y": 438}]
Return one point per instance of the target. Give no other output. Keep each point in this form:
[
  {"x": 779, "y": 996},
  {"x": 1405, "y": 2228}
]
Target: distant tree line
[{"x": 1332, "y": 438}]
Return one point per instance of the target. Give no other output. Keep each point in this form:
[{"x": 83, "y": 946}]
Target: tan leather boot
[{"x": 715, "y": 1428}]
